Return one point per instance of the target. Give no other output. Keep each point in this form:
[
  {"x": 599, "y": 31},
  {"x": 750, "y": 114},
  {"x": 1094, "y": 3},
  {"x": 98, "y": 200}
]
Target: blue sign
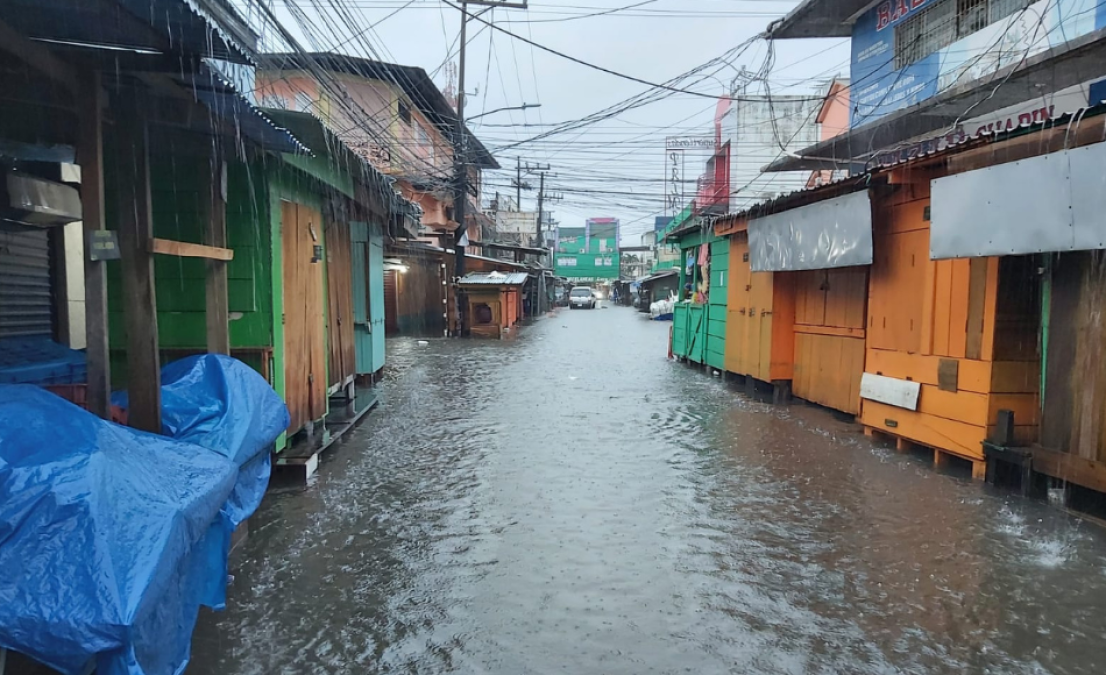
[{"x": 880, "y": 88}]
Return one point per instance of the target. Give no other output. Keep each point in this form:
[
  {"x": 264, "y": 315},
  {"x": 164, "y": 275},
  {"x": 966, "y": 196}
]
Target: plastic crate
[
  {"x": 77, "y": 394},
  {"x": 39, "y": 360}
]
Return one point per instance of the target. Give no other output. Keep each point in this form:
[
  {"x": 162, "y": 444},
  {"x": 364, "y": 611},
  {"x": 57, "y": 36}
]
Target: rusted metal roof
[{"x": 494, "y": 279}]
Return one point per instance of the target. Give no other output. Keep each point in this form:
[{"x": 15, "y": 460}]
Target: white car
[{"x": 580, "y": 297}]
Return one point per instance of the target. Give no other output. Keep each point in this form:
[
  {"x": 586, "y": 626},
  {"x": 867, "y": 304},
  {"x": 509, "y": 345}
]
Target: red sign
[{"x": 891, "y": 11}]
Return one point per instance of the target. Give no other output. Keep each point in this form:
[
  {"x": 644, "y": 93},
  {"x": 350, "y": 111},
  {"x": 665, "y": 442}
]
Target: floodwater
[{"x": 569, "y": 501}]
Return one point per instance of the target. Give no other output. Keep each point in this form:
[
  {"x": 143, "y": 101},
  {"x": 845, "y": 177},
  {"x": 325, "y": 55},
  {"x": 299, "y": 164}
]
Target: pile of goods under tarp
[
  {"x": 111, "y": 539},
  {"x": 661, "y": 310}
]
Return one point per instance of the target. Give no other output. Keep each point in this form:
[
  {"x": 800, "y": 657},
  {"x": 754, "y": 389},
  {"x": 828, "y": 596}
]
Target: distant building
[
  {"x": 761, "y": 128},
  {"x": 392, "y": 115},
  {"x": 665, "y": 255},
  {"x": 833, "y": 120},
  {"x": 934, "y": 71},
  {"x": 588, "y": 254}
]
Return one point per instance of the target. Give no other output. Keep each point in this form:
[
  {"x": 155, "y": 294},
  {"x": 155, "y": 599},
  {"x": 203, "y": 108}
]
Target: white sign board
[{"x": 890, "y": 390}]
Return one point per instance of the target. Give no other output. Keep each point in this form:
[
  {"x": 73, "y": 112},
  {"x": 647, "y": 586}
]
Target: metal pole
[
  {"x": 460, "y": 170},
  {"x": 518, "y": 184},
  {"x": 541, "y": 199}
]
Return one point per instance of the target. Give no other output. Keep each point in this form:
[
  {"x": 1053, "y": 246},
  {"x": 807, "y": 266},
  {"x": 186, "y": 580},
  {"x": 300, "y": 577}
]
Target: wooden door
[
  {"x": 897, "y": 290},
  {"x": 391, "y": 302},
  {"x": 304, "y": 335},
  {"x": 737, "y": 304},
  {"x": 759, "y": 353},
  {"x": 342, "y": 365},
  {"x": 375, "y": 275},
  {"x": 362, "y": 328}
]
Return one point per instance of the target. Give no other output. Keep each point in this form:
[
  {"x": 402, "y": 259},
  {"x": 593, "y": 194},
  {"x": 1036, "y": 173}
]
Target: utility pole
[
  {"x": 531, "y": 168},
  {"x": 460, "y": 152},
  {"x": 518, "y": 183},
  {"x": 541, "y": 203}
]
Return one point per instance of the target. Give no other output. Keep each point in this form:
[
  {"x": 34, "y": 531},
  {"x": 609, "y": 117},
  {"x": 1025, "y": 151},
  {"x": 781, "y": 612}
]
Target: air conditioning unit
[{"x": 36, "y": 202}]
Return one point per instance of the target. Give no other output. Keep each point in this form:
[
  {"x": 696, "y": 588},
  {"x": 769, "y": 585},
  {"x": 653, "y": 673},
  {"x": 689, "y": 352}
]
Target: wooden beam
[
  {"x": 184, "y": 249},
  {"x": 1067, "y": 467},
  {"x": 91, "y": 158},
  {"x": 215, "y": 234},
  {"x": 38, "y": 57},
  {"x": 135, "y": 243}
]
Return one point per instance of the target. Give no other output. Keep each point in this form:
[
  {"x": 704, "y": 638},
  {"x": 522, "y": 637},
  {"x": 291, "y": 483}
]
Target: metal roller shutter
[{"x": 26, "y": 306}]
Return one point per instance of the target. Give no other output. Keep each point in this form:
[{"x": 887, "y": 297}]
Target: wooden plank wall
[
  {"x": 342, "y": 364},
  {"x": 830, "y": 308},
  {"x": 760, "y": 338},
  {"x": 1075, "y": 400},
  {"x": 680, "y": 314},
  {"x": 304, "y": 332},
  {"x": 923, "y": 313},
  {"x": 737, "y": 303}
]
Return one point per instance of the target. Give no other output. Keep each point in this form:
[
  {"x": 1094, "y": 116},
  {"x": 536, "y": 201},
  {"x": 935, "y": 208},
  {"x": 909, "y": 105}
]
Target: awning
[
  {"x": 1060, "y": 67},
  {"x": 1050, "y": 203},
  {"x": 657, "y": 276},
  {"x": 832, "y": 233},
  {"x": 818, "y": 19}
]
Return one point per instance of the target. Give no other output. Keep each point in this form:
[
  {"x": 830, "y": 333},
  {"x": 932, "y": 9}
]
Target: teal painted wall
[
  {"x": 716, "y": 317},
  {"x": 368, "y": 295},
  {"x": 699, "y": 330},
  {"x": 376, "y": 295}
]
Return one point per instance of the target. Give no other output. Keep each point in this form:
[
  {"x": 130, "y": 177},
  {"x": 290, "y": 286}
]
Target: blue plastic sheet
[{"x": 110, "y": 538}]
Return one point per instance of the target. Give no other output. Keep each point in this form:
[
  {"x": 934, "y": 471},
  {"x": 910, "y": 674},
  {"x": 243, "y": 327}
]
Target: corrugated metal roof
[
  {"x": 314, "y": 132},
  {"x": 659, "y": 275},
  {"x": 917, "y": 151},
  {"x": 222, "y": 99},
  {"x": 494, "y": 279}
]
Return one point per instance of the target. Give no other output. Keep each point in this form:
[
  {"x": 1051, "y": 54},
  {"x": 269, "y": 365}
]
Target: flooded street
[{"x": 569, "y": 501}]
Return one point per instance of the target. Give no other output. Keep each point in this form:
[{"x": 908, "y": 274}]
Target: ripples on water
[{"x": 570, "y": 502}]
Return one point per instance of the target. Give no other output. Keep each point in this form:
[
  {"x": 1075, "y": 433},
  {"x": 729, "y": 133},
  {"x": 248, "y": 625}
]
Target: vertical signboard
[
  {"x": 683, "y": 154},
  {"x": 673, "y": 181}
]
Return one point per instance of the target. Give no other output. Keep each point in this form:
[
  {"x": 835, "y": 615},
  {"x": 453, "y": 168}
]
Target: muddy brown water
[{"x": 569, "y": 501}]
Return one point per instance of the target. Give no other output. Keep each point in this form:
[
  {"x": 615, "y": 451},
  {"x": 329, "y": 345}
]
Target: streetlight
[{"x": 524, "y": 106}]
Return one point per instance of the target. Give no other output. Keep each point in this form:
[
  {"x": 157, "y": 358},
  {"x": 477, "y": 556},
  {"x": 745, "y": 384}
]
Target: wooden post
[
  {"x": 215, "y": 234},
  {"x": 139, "y": 300},
  {"x": 91, "y": 155}
]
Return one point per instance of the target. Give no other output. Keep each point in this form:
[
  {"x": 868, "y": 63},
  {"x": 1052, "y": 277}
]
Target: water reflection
[{"x": 572, "y": 502}]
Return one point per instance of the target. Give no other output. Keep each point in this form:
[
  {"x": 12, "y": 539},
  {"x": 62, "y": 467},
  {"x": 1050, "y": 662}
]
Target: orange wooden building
[
  {"x": 494, "y": 301},
  {"x": 940, "y": 289},
  {"x": 954, "y": 330},
  {"x": 801, "y": 324},
  {"x": 760, "y": 311}
]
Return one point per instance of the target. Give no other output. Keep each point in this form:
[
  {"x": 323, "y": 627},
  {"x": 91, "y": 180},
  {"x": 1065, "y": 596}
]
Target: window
[
  {"x": 945, "y": 22},
  {"x": 404, "y": 112}
]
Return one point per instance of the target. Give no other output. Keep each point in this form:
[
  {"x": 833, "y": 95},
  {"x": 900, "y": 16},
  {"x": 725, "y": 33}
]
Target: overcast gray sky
[{"x": 615, "y": 167}]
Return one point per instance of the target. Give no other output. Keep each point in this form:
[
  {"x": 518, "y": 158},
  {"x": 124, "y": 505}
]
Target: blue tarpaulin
[{"x": 111, "y": 538}]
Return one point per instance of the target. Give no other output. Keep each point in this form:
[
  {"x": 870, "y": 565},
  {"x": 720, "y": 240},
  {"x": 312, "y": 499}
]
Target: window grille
[{"x": 945, "y": 22}]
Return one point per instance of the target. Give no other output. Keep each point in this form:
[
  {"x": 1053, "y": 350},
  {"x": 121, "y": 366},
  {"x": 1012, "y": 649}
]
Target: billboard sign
[{"x": 879, "y": 87}]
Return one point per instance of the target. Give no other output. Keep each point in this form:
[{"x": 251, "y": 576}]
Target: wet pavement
[{"x": 569, "y": 501}]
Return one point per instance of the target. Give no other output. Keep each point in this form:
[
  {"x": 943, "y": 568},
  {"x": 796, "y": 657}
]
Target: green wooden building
[
  {"x": 305, "y": 284},
  {"x": 699, "y": 317}
]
